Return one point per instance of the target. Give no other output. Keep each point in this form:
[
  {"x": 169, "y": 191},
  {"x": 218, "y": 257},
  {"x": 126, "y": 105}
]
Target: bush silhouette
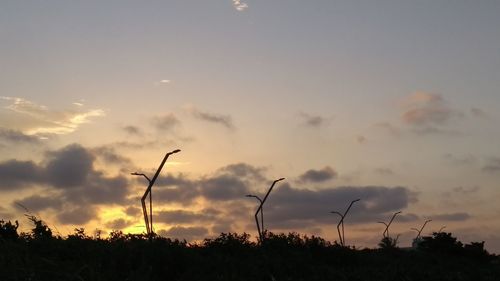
[
  {"x": 388, "y": 243},
  {"x": 40, "y": 230},
  {"x": 230, "y": 256},
  {"x": 8, "y": 230},
  {"x": 441, "y": 242}
]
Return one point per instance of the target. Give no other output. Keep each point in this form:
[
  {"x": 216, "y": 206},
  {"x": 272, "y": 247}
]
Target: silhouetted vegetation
[{"x": 40, "y": 255}]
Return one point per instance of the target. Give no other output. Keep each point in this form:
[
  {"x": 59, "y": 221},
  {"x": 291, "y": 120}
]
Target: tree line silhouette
[{"x": 41, "y": 255}]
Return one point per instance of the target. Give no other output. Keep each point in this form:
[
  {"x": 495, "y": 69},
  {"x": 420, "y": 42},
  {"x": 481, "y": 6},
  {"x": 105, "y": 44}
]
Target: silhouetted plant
[
  {"x": 441, "y": 242},
  {"x": 388, "y": 243},
  {"x": 8, "y": 230},
  {"x": 79, "y": 235},
  {"x": 229, "y": 240},
  {"x": 41, "y": 230}
]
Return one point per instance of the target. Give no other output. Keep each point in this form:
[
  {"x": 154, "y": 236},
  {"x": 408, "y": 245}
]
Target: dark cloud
[
  {"x": 78, "y": 216},
  {"x": 459, "y": 160},
  {"x": 317, "y": 176},
  {"x": 35, "y": 203},
  {"x": 110, "y": 156},
  {"x": 479, "y": 113},
  {"x": 69, "y": 167},
  {"x": 119, "y": 224},
  {"x": 166, "y": 122},
  {"x": 222, "y": 226},
  {"x": 314, "y": 206},
  {"x": 16, "y": 174},
  {"x": 384, "y": 171},
  {"x": 16, "y": 137},
  {"x": 361, "y": 139},
  {"x": 132, "y": 130},
  {"x": 132, "y": 211},
  {"x": 178, "y": 189},
  {"x": 223, "y": 187},
  {"x": 314, "y": 120},
  {"x": 183, "y": 217},
  {"x": 70, "y": 172},
  {"x": 431, "y": 130},
  {"x": 493, "y": 165},
  {"x": 229, "y": 182},
  {"x": 466, "y": 190},
  {"x": 451, "y": 217},
  {"x": 389, "y": 128},
  {"x": 188, "y": 233},
  {"x": 223, "y": 120},
  {"x": 243, "y": 170}
]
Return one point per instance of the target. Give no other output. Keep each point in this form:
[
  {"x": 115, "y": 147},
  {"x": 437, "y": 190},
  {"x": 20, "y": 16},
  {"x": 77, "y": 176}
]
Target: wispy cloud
[
  {"x": 479, "y": 113},
  {"x": 427, "y": 109},
  {"x": 240, "y": 5},
  {"x": 166, "y": 121},
  {"x": 312, "y": 120},
  {"x": 221, "y": 119},
  {"x": 47, "y": 121}
]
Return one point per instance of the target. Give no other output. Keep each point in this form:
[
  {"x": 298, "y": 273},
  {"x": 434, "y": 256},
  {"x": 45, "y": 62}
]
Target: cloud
[
  {"x": 305, "y": 206},
  {"x": 166, "y": 122},
  {"x": 479, "y": 113},
  {"x": 132, "y": 211},
  {"x": 314, "y": 121},
  {"x": 19, "y": 174},
  {"x": 36, "y": 203},
  {"x": 15, "y": 137},
  {"x": 457, "y": 160},
  {"x": 451, "y": 217},
  {"x": 239, "y": 5},
  {"x": 430, "y": 130},
  {"x": 384, "y": 171},
  {"x": 4, "y": 214},
  {"x": 317, "y": 176},
  {"x": 176, "y": 189},
  {"x": 110, "y": 156},
  {"x": 243, "y": 170},
  {"x": 427, "y": 109},
  {"x": 220, "y": 119},
  {"x": 132, "y": 130},
  {"x": 493, "y": 165},
  {"x": 466, "y": 190},
  {"x": 45, "y": 121},
  {"x": 69, "y": 167},
  {"x": 165, "y": 81},
  {"x": 223, "y": 187},
  {"x": 78, "y": 216},
  {"x": 70, "y": 173},
  {"x": 389, "y": 128},
  {"x": 361, "y": 139},
  {"x": 184, "y": 217},
  {"x": 118, "y": 224},
  {"x": 188, "y": 233},
  {"x": 227, "y": 183}
]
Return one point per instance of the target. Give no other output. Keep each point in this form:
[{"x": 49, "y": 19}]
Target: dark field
[{"x": 41, "y": 256}]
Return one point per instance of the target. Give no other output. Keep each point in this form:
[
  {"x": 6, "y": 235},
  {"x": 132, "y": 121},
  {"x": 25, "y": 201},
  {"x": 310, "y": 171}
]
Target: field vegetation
[{"x": 41, "y": 255}]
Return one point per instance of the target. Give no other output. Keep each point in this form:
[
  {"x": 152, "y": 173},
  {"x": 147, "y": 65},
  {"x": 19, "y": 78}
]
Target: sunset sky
[{"x": 393, "y": 102}]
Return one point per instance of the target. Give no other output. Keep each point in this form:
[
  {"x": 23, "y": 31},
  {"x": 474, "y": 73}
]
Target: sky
[{"x": 392, "y": 102}]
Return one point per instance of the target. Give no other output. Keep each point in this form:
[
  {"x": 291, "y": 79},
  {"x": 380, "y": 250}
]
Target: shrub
[{"x": 8, "y": 230}]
